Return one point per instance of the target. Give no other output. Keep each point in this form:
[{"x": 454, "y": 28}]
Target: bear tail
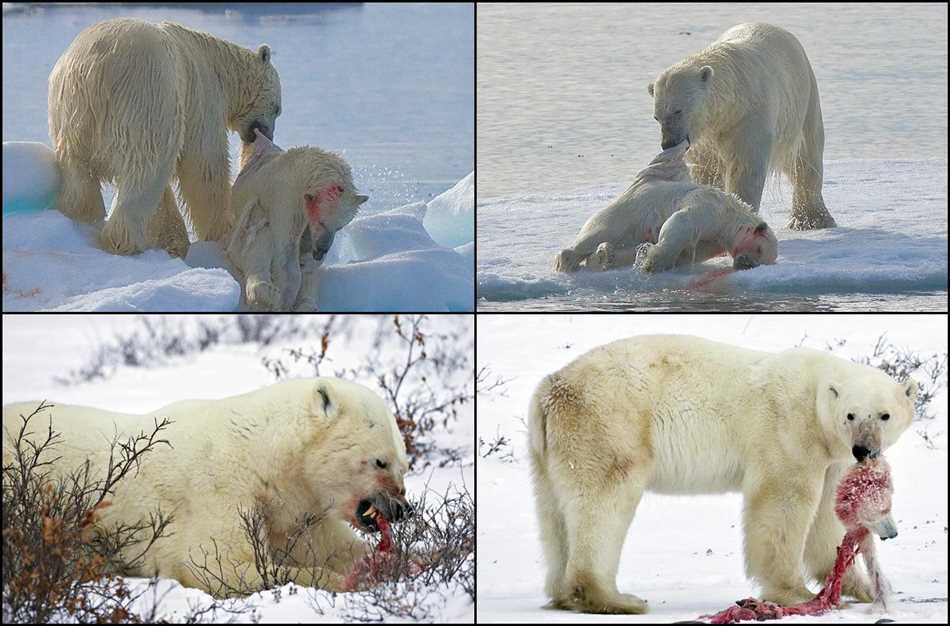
[{"x": 538, "y": 420}]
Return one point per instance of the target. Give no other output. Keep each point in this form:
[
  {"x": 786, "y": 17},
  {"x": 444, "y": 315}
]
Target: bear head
[
  {"x": 679, "y": 98},
  {"x": 357, "y": 462},
  {"x": 754, "y": 245},
  {"x": 261, "y": 98},
  {"x": 864, "y": 411}
]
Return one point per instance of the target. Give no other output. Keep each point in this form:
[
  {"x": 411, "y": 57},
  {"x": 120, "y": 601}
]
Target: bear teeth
[{"x": 370, "y": 512}]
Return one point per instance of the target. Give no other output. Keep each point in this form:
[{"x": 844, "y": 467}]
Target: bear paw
[
  {"x": 811, "y": 220},
  {"x": 566, "y": 261},
  {"x": 603, "y": 258},
  {"x": 261, "y": 295},
  {"x": 645, "y": 261},
  {"x": 122, "y": 236}
]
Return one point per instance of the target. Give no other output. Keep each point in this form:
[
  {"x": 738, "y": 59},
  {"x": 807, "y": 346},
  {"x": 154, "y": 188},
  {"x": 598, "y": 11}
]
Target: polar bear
[
  {"x": 287, "y": 208},
  {"x": 140, "y": 104},
  {"x": 689, "y": 223},
  {"x": 749, "y": 106},
  {"x": 684, "y": 415},
  {"x": 323, "y": 446}
]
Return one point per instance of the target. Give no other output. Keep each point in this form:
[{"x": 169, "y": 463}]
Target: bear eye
[
  {"x": 851, "y": 416},
  {"x": 759, "y": 250},
  {"x": 677, "y": 112},
  {"x": 381, "y": 464},
  {"x": 886, "y": 416}
]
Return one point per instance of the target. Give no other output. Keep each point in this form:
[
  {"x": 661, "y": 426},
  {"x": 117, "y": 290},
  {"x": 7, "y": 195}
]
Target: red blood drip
[
  {"x": 386, "y": 535},
  {"x": 709, "y": 278}
]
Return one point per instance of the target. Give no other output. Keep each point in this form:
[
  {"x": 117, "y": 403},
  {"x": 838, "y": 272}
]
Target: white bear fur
[
  {"x": 749, "y": 106},
  {"x": 272, "y": 247},
  {"x": 684, "y": 415},
  {"x": 141, "y": 104},
  {"x": 689, "y": 223},
  {"x": 295, "y": 447}
]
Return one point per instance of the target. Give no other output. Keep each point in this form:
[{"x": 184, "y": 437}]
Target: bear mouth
[
  {"x": 367, "y": 515},
  {"x": 249, "y": 136}
]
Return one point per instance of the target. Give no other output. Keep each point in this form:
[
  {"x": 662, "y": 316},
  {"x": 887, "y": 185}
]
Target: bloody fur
[{"x": 863, "y": 496}]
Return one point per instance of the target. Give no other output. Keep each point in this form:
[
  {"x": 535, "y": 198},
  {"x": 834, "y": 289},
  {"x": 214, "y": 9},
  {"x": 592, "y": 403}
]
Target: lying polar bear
[
  {"x": 286, "y": 207},
  {"x": 322, "y": 447},
  {"x": 689, "y": 223}
]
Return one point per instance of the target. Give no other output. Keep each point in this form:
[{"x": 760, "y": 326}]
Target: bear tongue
[{"x": 386, "y": 534}]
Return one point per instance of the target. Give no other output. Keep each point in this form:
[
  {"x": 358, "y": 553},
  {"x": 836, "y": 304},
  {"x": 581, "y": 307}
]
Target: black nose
[
  {"x": 267, "y": 132},
  {"x": 860, "y": 452},
  {"x": 401, "y": 511}
]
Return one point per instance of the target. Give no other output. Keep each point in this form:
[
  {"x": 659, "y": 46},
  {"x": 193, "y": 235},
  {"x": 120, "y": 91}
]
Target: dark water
[{"x": 389, "y": 86}]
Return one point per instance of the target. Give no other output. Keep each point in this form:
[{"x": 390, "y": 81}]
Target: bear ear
[
  {"x": 360, "y": 199},
  {"x": 263, "y": 52},
  {"x": 650, "y": 89},
  {"x": 834, "y": 391},
  {"x": 910, "y": 389},
  {"x": 323, "y": 402},
  {"x": 761, "y": 228},
  {"x": 705, "y": 73}
]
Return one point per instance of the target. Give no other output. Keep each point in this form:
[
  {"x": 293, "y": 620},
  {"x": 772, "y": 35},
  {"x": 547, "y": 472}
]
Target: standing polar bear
[
  {"x": 323, "y": 447},
  {"x": 749, "y": 106},
  {"x": 683, "y": 415},
  {"x": 140, "y": 104}
]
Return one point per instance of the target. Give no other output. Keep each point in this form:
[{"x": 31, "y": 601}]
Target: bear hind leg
[
  {"x": 166, "y": 228},
  {"x": 133, "y": 210},
  {"x": 80, "y": 197},
  {"x": 746, "y": 173},
  {"x": 596, "y": 528},
  {"x": 553, "y": 532},
  {"x": 807, "y": 173}
]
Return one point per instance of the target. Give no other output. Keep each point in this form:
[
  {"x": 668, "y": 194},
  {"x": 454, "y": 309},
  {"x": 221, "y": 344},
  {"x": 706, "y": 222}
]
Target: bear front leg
[
  {"x": 777, "y": 514},
  {"x": 309, "y": 285},
  {"x": 826, "y": 534},
  {"x": 749, "y": 167},
  {"x": 567, "y": 261},
  {"x": 676, "y": 238}
]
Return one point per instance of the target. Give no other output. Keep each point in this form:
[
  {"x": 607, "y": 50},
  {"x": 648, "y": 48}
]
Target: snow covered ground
[
  {"x": 684, "y": 554},
  {"x": 38, "y": 347},
  {"x": 890, "y": 247},
  {"x": 385, "y": 261}
]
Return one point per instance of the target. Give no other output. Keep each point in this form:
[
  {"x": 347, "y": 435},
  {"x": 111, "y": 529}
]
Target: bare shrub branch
[{"x": 59, "y": 561}]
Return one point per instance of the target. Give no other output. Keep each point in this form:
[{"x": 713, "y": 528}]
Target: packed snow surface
[{"x": 381, "y": 262}]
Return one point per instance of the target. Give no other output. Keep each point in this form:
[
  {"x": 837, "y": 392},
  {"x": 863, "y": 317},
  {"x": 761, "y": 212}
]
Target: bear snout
[
  {"x": 860, "y": 453},
  {"x": 265, "y": 130},
  {"x": 744, "y": 262},
  {"x": 397, "y": 509},
  {"x": 670, "y": 139}
]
